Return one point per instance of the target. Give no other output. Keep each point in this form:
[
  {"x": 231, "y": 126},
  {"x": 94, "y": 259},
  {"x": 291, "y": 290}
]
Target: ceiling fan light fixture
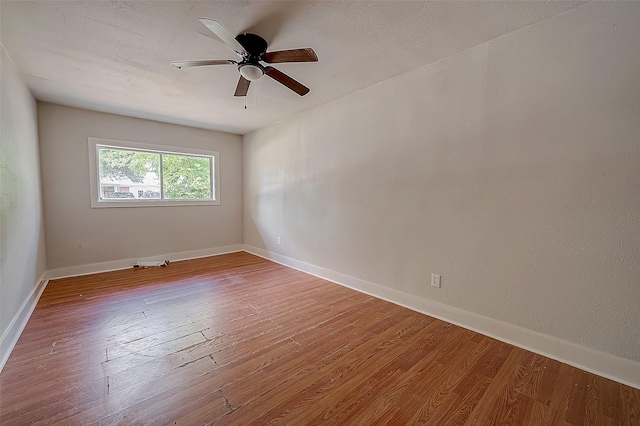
[
  {"x": 252, "y": 49},
  {"x": 251, "y": 72}
]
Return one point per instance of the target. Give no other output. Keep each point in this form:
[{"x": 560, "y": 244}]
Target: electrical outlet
[
  {"x": 435, "y": 280},
  {"x": 279, "y": 240}
]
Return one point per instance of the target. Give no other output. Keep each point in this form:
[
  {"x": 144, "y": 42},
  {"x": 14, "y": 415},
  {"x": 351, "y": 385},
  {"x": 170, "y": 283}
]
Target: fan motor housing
[{"x": 253, "y": 44}]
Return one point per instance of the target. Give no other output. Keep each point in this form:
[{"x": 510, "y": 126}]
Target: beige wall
[
  {"x": 79, "y": 235},
  {"x": 22, "y": 246},
  {"x": 512, "y": 169}
]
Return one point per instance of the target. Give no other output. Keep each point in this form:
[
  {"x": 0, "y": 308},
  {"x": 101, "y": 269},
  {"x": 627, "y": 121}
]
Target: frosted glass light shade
[{"x": 251, "y": 72}]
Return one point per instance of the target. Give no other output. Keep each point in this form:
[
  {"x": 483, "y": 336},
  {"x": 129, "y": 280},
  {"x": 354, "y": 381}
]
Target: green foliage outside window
[
  {"x": 185, "y": 177},
  {"x": 134, "y": 165}
]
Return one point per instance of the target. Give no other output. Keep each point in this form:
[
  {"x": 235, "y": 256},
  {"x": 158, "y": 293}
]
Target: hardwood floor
[{"x": 239, "y": 340}]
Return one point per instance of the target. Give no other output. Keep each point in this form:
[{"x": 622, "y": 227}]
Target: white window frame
[{"x": 94, "y": 171}]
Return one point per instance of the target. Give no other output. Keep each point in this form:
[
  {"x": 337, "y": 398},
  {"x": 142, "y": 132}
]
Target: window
[{"x": 130, "y": 174}]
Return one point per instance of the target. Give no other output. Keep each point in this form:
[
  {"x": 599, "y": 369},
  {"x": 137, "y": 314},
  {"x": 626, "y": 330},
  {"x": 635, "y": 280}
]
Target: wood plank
[{"x": 236, "y": 339}]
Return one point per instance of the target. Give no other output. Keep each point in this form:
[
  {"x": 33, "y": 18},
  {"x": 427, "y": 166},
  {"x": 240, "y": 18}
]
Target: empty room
[{"x": 320, "y": 212}]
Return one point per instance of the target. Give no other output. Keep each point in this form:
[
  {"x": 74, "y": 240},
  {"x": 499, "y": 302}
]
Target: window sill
[{"x": 144, "y": 203}]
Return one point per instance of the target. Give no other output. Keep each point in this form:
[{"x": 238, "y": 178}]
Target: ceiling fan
[{"x": 252, "y": 49}]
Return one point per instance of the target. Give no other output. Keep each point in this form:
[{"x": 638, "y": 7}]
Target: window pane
[
  {"x": 128, "y": 174},
  {"x": 186, "y": 177}
]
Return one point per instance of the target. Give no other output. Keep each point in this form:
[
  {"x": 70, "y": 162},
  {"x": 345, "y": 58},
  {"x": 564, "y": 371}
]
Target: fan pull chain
[{"x": 245, "y": 101}]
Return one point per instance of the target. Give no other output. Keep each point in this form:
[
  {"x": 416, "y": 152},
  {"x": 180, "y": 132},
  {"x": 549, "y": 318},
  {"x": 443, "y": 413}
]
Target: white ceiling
[{"x": 113, "y": 56}]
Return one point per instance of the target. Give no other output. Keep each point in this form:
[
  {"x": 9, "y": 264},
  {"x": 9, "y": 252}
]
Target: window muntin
[{"x": 129, "y": 174}]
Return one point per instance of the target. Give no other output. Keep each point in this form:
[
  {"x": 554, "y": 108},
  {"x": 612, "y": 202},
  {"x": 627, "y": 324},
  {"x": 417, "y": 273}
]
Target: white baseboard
[
  {"x": 94, "y": 268},
  {"x": 613, "y": 367},
  {"x": 12, "y": 333}
]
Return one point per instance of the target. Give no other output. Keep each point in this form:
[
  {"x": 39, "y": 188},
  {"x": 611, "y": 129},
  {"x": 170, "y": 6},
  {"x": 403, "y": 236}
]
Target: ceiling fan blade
[
  {"x": 199, "y": 63},
  {"x": 224, "y": 35},
  {"x": 285, "y": 80},
  {"x": 293, "y": 55},
  {"x": 243, "y": 87}
]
